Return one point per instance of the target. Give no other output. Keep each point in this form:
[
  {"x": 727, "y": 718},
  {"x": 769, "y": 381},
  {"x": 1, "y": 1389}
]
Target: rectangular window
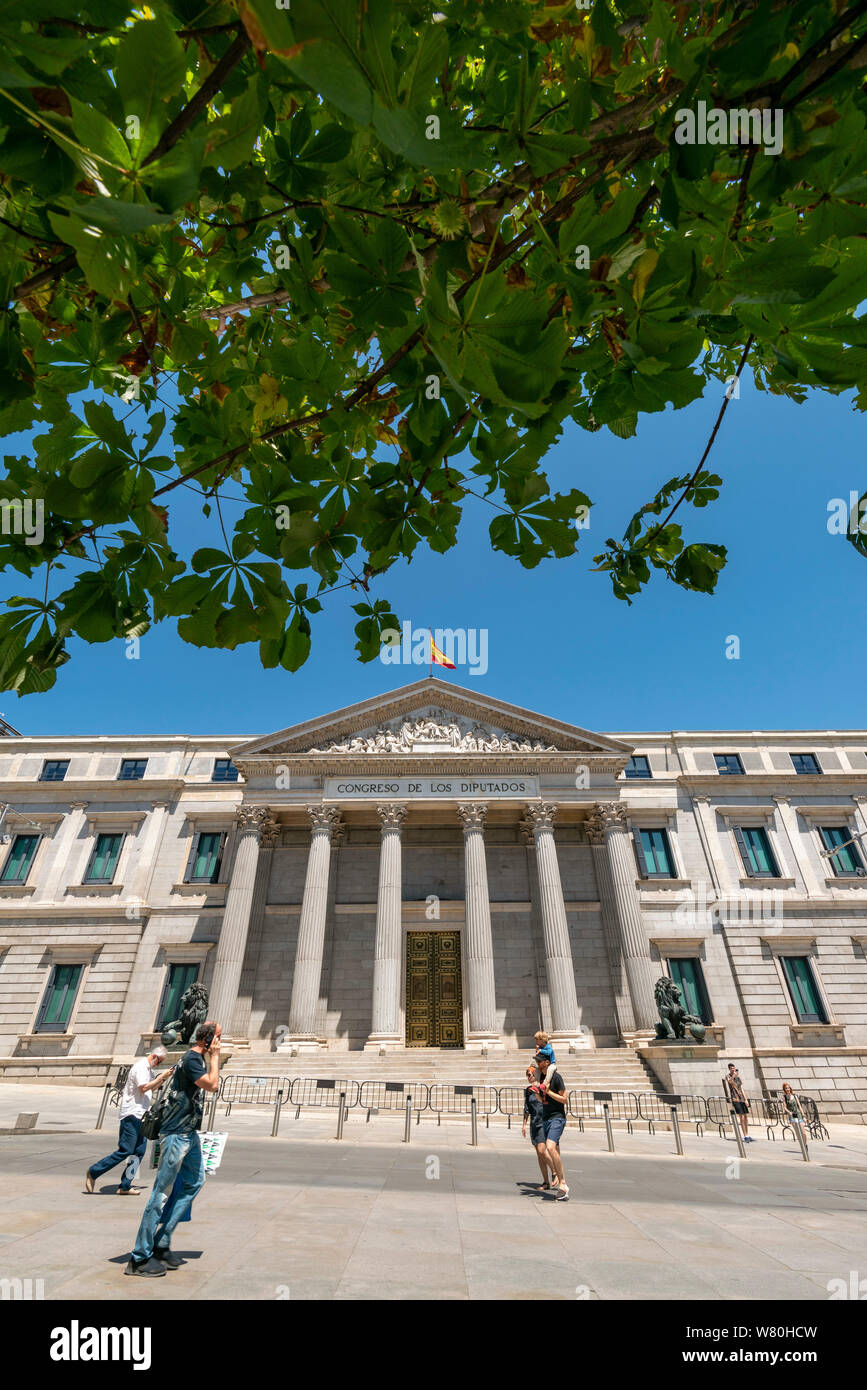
[
  {"x": 53, "y": 771},
  {"x": 132, "y": 769},
  {"x": 756, "y": 852},
  {"x": 729, "y": 764},
  {"x": 205, "y": 857},
  {"x": 179, "y": 979},
  {"x": 224, "y": 771},
  {"x": 802, "y": 987},
  {"x": 638, "y": 766},
  {"x": 19, "y": 859},
  {"x": 103, "y": 861},
  {"x": 654, "y": 854},
  {"x": 847, "y": 862},
  {"x": 56, "y": 1008},
  {"x": 805, "y": 764},
  {"x": 688, "y": 974}
]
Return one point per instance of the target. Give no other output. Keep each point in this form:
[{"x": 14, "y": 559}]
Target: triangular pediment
[{"x": 429, "y": 717}]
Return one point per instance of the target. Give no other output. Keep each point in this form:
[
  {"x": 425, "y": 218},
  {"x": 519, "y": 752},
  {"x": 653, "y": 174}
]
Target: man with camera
[{"x": 180, "y": 1154}]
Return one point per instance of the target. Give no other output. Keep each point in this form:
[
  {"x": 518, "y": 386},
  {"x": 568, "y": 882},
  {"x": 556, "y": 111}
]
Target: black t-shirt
[
  {"x": 186, "y": 1115},
  {"x": 552, "y": 1106},
  {"x": 532, "y": 1104}
]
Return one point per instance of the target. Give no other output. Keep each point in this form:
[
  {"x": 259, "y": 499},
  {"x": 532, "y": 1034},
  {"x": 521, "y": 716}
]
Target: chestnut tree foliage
[{"x": 359, "y": 260}]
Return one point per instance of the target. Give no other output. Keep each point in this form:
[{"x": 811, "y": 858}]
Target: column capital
[
  {"x": 701, "y": 800},
  {"x": 392, "y": 816},
  {"x": 78, "y": 805},
  {"x": 251, "y": 817},
  {"x": 605, "y": 816},
  {"x": 539, "y": 816},
  {"x": 780, "y": 799},
  {"x": 473, "y": 814},
  {"x": 270, "y": 832},
  {"x": 859, "y": 796},
  {"x": 326, "y": 818}
]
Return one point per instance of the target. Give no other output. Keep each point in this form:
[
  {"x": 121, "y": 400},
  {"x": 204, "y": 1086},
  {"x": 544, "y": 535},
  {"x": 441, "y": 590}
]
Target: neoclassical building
[{"x": 434, "y": 868}]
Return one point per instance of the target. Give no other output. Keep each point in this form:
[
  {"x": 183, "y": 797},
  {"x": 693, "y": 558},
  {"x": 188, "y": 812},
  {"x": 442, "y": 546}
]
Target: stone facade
[{"x": 435, "y": 808}]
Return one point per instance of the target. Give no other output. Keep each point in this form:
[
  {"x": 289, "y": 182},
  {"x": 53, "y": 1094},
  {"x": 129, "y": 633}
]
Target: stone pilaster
[
  {"x": 482, "y": 1034},
  {"x": 385, "y": 1032},
  {"x": 236, "y": 918},
  {"x": 633, "y": 937},
  {"x": 302, "y": 1036},
  {"x": 559, "y": 967}
]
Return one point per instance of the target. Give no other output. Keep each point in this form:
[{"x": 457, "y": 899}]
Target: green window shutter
[
  {"x": 59, "y": 998},
  {"x": 846, "y": 862},
  {"x": 655, "y": 854},
  {"x": 687, "y": 973},
  {"x": 755, "y": 848},
  {"x": 802, "y": 987},
  {"x": 640, "y": 855},
  {"x": 205, "y": 858},
  {"x": 19, "y": 859},
  {"x": 104, "y": 861},
  {"x": 180, "y": 977}
]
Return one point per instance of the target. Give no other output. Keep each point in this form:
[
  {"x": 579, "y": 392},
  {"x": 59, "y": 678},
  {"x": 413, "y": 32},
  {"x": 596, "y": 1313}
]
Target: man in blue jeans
[
  {"x": 180, "y": 1155},
  {"x": 134, "y": 1103}
]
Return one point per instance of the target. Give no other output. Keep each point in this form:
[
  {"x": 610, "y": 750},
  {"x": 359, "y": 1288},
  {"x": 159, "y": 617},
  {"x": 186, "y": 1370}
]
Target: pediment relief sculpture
[{"x": 409, "y": 735}]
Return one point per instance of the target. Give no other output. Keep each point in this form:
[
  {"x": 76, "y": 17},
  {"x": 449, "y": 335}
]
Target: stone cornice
[{"x": 431, "y": 765}]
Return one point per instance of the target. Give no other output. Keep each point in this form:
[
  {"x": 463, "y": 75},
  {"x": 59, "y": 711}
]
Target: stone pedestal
[{"x": 685, "y": 1069}]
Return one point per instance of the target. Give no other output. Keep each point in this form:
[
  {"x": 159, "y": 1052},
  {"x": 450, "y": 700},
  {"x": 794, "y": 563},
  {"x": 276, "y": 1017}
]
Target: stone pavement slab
[{"x": 304, "y": 1216}]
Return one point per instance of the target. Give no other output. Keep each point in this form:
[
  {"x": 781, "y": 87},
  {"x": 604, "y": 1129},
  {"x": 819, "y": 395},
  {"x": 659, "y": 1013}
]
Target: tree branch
[{"x": 194, "y": 108}]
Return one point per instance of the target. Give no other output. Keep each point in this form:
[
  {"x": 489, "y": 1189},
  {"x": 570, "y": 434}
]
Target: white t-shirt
[{"x": 134, "y": 1100}]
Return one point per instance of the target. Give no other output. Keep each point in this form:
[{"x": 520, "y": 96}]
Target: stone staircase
[{"x": 601, "y": 1069}]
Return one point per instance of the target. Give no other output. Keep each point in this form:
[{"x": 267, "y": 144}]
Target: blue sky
[{"x": 558, "y": 641}]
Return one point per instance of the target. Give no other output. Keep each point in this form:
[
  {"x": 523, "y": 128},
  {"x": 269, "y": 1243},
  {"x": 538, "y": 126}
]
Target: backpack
[{"x": 156, "y": 1115}]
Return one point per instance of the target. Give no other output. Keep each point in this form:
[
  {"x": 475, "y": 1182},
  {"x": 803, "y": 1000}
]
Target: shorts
[
  {"x": 537, "y": 1131},
  {"x": 554, "y": 1126},
  {"x": 739, "y": 1107}
]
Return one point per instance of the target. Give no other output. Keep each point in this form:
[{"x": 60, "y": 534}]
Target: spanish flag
[{"x": 437, "y": 657}]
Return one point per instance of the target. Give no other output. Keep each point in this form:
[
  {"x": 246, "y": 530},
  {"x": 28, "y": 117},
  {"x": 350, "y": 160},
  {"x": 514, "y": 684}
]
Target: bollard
[
  {"x": 799, "y": 1130},
  {"x": 407, "y": 1132},
  {"x": 341, "y": 1111},
  {"x": 675, "y": 1124},
  {"x": 738, "y": 1136},
  {"x": 103, "y": 1103},
  {"x": 474, "y": 1122},
  {"x": 212, "y": 1111},
  {"x": 25, "y": 1122},
  {"x": 609, "y": 1131},
  {"x": 277, "y": 1105}
]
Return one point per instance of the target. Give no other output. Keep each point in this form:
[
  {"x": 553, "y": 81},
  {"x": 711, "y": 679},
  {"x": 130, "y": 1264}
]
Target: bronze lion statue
[
  {"x": 674, "y": 1019},
  {"x": 194, "y": 1010}
]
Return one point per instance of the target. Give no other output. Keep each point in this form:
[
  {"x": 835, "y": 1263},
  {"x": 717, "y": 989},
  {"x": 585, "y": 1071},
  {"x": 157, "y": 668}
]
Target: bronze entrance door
[{"x": 434, "y": 1014}]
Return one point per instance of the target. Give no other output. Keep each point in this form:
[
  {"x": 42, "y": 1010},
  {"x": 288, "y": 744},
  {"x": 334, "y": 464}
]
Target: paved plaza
[{"x": 304, "y": 1216}]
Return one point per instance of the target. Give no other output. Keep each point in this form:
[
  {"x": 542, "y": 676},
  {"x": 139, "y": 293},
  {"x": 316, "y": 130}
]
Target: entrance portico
[{"x": 443, "y": 796}]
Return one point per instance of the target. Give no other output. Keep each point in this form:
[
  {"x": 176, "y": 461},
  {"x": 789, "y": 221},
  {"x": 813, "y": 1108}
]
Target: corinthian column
[
  {"x": 236, "y": 918},
  {"x": 479, "y": 946},
  {"x": 610, "y": 817},
  {"x": 311, "y": 934},
  {"x": 385, "y": 1031},
  {"x": 559, "y": 967}
]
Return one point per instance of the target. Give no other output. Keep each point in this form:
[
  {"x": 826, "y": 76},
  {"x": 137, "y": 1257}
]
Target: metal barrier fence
[
  {"x": 590, "y": 1105},
  {"x": 119, "y": 1082},
  {"x": 307, "y": 1090},
  {"x": 657, "y": 1108},
  {"x": 392, "y": 1095},
  {"x": 253, "y": 1090},
  {"x": 457, "y": 1100},
  {"x": 510, "y": 1102}
]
